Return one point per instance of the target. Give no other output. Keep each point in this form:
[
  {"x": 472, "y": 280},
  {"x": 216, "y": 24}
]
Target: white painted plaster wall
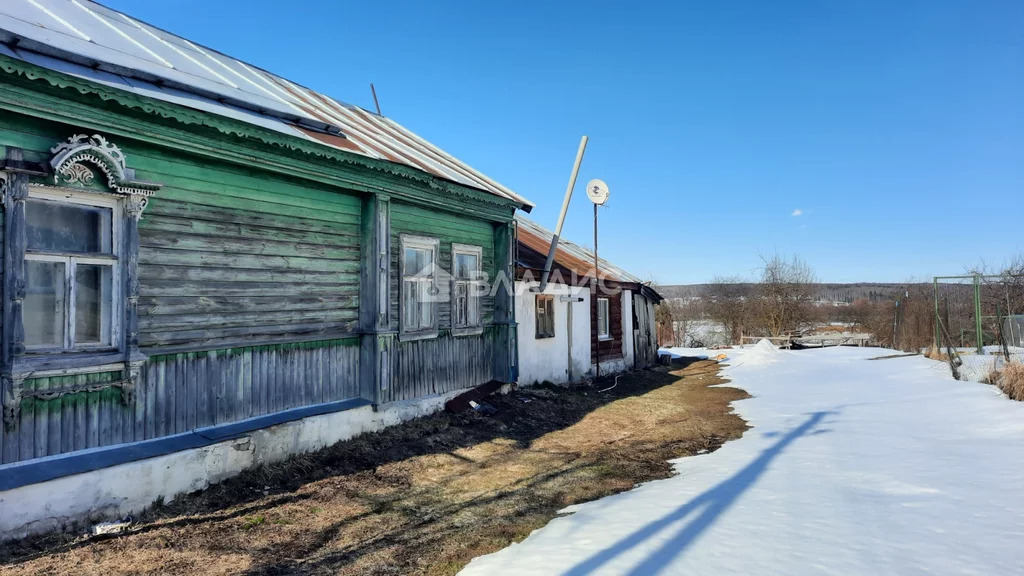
[
  {"x": 73, "y": 501},
  {"x": 547, "y": 359}
]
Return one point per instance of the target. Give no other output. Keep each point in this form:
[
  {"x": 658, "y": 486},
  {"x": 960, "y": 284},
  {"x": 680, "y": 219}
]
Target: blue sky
[{"x": 896, "y": 129}]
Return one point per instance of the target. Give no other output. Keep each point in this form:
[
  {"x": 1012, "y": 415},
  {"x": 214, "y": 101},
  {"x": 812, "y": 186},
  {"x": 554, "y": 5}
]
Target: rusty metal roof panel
[
  {"x": 89, "y": 40},
  {"x": 569, "y": 255}
]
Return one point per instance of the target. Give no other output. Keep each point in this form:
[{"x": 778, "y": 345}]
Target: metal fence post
[{"x": 977, "y": 312}]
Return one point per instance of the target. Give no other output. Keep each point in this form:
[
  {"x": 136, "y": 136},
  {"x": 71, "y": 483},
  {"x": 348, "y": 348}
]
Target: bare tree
[
  {"x": 784, "y": 296},
  {"x": 728, "y": 302}
]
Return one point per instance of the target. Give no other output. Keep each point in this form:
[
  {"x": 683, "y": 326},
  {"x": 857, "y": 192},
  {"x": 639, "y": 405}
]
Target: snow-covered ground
[
  {"x": 853, "y": 466},
  {"x": 977, "y": 367}
]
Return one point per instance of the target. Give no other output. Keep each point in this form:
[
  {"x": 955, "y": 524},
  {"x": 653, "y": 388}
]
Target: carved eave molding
[{"x": 269, "y": 149}]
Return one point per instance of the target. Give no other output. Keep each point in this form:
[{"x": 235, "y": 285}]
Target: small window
[
  {"x": 71, "y": 272},
  {"x": 466, "y": 287},
  {"x": 419, "y": 285},
  {"x": 603, "y": 331},
  {"x": 545, "y": 316}
]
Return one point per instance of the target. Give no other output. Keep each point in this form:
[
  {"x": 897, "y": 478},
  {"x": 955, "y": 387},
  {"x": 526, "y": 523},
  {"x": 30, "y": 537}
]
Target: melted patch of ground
[{"x": 424, "y": 497}]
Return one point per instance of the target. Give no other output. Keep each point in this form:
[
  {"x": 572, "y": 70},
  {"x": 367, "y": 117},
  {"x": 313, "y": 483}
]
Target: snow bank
[
  {"x": 764, "y": 352},
  {"x": 853, "y": 466}
]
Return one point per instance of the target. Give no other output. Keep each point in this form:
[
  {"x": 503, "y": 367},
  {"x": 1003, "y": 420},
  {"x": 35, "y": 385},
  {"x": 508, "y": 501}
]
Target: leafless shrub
[
  {"x": 784, "y": 296},
  {"x": 728, "y": 302}
]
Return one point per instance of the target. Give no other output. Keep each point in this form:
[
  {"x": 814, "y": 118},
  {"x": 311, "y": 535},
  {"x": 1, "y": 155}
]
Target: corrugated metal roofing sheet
[
  {"x": 88, "y": 40},
  {"x": 568, "y": 255}
]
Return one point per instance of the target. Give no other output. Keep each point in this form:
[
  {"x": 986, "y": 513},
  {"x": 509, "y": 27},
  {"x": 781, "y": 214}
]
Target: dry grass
[
  {"x": 1011, "y": 380},
  {"x": 424, "y": 497},
  {"x": 936, "y": 354}
]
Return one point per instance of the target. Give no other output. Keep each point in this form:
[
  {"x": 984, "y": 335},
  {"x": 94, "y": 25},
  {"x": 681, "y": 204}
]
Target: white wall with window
[{"x": 555, "y": 358}]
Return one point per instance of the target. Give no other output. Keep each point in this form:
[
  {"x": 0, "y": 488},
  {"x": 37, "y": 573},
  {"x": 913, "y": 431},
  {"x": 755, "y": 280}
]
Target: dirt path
[{"x": 421, "y": 498}]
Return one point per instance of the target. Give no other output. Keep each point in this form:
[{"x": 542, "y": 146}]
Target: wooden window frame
[
  {"x": 113, "y": 260},
  {"x": 607, "y": 333},
  {"x": 548, "y": 302},
  {"x": 420, "y": 243},
  {"x": 473, "y": 298}
]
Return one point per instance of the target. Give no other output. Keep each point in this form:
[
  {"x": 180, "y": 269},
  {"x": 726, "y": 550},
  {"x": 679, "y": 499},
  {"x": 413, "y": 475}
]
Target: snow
[{"x": 853, "y": 466}]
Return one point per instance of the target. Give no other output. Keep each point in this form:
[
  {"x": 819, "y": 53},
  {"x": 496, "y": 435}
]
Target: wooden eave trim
[{"x": 250, "y": 145}]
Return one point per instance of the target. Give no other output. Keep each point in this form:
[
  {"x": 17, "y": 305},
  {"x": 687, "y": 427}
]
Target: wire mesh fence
[{"x": 978, "y": 321}]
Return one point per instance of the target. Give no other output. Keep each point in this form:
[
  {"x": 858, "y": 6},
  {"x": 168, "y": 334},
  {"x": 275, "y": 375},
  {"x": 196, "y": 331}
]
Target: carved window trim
[
  {"x": 473, "y": 292},
  {"x": 427, "y": 281},
  {"x": 73, "y": 173},
  {"x": 115, "y": 261}
]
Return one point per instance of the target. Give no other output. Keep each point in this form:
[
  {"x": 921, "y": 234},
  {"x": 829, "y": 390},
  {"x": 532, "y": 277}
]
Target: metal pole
[
  {"x": 597, "y": 309},
  {"x": 977, "y": 311},
  {"x": 376, "y": 104},
  {"x": 938, "y": 335},
  {"x": 561, "y": 215},
  {"x": 895, "y": 323}
]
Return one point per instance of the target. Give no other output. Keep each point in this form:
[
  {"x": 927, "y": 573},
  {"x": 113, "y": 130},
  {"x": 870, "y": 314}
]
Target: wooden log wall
[
  {"x": 447, "y": 228},
  {"x": 249, "y": 305}
]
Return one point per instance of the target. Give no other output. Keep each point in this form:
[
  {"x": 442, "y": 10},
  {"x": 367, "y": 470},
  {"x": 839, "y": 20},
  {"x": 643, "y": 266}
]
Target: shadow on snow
[{"x": 707, "y": 506}]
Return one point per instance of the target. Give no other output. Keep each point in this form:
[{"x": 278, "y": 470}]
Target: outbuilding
[{"x": 580, "y": 321}]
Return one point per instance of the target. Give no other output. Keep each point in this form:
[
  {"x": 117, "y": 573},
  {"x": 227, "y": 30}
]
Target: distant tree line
[{"x": 785, "y": 299}]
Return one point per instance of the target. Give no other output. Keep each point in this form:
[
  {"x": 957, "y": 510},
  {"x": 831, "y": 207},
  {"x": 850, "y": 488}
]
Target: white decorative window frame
[
  {"x": 472, "y": 291},
  {"x": 604, "y": 332},
  {"x": 421, "y": 243},
  {"x": 83, "y": 198},
  {"x": 72, "y": 175}
]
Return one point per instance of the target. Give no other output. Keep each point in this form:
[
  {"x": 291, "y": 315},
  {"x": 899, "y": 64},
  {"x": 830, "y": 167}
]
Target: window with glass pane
[
  {"x": 466, "y": 285},
  {"x": 70, "y": 262},
  {"x": 69, "y": 228},
  {"x": 602, "y": 318},
  {"x": 545, "y": 316},
  {"x": 44, "y": 304},
  {"x": 92, "y": 303},
  {"x": 418, "y": 279}
]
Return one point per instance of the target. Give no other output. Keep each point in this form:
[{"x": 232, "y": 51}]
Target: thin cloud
[{"x": 797, "y": 212}]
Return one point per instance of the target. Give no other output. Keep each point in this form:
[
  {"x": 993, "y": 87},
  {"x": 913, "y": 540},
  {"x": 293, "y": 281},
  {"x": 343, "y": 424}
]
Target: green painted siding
[
  {"x": 235, "y": 256},
  {"x": 447, "y": 228},
  {"x": 229, "y": 255}
]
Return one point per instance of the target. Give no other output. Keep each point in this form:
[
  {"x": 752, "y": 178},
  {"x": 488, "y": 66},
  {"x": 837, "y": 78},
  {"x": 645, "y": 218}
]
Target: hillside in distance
[{"x": 824, "y": 292}]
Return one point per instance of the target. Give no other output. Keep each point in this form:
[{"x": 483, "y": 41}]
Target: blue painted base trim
[{"x": 18, "y": 474}]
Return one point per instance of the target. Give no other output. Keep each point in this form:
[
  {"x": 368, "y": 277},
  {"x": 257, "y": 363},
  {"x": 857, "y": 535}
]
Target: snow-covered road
[{"x": 853, "y": 466}]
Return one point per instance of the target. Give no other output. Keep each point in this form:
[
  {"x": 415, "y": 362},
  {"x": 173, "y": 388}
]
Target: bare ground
[{"x": 424, "y": 497}]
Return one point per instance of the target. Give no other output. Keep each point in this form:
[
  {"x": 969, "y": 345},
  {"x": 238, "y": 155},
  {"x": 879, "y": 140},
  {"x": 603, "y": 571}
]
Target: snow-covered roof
[{"x": 87, "y": 40}]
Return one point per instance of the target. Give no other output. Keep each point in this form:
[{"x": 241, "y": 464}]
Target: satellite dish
[{"x": 597, "y": 191}]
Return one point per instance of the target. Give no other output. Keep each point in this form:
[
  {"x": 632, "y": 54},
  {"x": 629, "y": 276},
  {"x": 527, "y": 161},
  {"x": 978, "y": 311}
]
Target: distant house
[
  {"x": 195, "y": 249},
  {"x": 564, "y": 329}
]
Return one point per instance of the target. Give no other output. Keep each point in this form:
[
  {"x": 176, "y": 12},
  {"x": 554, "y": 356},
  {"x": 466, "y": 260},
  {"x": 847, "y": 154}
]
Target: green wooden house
[{"x": 194, "y": 248}]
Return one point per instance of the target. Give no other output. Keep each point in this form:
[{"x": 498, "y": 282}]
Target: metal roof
[
  {"x": 568, "y": 255},
  {"x": 85, "y": 39}
]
